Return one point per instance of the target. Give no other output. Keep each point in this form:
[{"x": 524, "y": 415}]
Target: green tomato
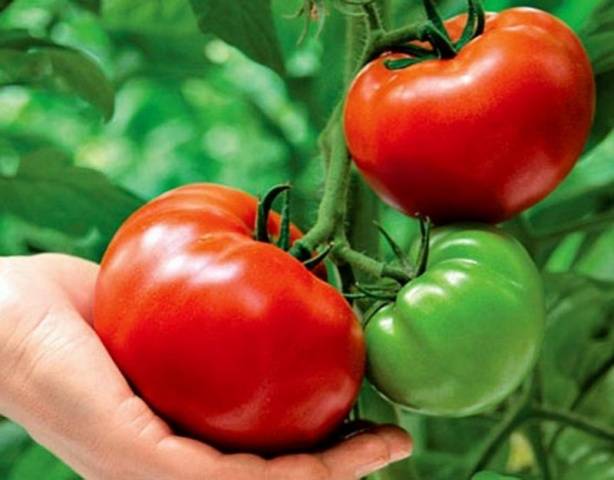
[{"x": 462, "y": 336}]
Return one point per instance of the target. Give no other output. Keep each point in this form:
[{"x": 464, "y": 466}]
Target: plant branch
[
  {"x": 332, "y": 209},
  {"x": 536, "y": 438},
  {"x": 368, "y": 265},
  {"x": 573, "y": 420},
  {"x": 373, "y": 15}
]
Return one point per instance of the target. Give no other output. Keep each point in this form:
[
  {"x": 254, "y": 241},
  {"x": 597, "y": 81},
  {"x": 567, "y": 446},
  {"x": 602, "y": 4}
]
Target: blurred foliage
[{"x": 185, "y": 106}]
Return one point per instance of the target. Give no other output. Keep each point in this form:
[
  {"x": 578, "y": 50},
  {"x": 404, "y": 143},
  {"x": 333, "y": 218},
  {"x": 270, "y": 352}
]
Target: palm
[{"x": 73, "y": 399}]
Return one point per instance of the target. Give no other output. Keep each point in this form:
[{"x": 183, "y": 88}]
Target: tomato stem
[
  {"x": 333, "y": 205},
  {"x": 368, "y": 265},
  {"x": 372, "y": 13}
]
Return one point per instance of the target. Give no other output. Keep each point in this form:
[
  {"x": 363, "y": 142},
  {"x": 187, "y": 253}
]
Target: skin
[
  {"x": 467, "y": 331},
  {"x": 59, "y": 382},
  {"x": 481, "y": 136},
  {"x": 232, "y": 339}
]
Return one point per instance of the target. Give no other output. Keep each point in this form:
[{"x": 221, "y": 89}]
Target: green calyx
[
  {"x": 435, "y": 33},
  {"x": 261, "y": 234},
  {"x": 264, "y": 210},
  {"x": 387, "y": 289}
]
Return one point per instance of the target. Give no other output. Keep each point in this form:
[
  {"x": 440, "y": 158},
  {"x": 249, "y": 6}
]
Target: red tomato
[
  {"x": 481, "y": 136},
  {"x": 232, "y": 340}
]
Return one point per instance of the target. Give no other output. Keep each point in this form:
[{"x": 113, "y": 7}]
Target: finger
[
  {"x": 298, "y": 467},
  {"x": 75, "y": 276},
  {"x": 189, "y": 459},
  {"x": 368, "y": 452}
]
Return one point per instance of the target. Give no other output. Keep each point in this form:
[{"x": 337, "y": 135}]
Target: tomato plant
[
  {"x": 231, "y": 339},
  {"x": 479, "y": 136}
]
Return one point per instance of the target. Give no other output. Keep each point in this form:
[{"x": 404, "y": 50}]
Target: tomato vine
[{"x": 366, "y": 43}]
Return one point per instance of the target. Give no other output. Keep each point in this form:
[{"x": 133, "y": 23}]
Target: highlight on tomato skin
[
  {"x": 199, "y": 318},
  {"x": 481, "y": 136}
]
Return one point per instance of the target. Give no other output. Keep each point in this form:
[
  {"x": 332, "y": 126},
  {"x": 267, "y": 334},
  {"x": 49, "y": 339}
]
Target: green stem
[
  {"x": 334, "y": 200},
  {"x": 433, "y": 15},
  {"x": 332, "y": 207},
  {"x": 573, "y": 420},
  {"x": 373, "y": 16},
  {"x": 368, "y": 265},
  {"x": 536, "y": 438}
]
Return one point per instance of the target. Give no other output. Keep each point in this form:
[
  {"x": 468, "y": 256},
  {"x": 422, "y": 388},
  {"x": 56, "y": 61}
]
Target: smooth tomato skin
[
  {"x": 482, "y": 136},
  {"x": 231, "y": 340},
  {"x": 466, "y": 332}
]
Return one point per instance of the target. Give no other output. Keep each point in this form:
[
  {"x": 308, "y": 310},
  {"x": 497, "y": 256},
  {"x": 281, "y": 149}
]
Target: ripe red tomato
[
  {"x": 481, "y": 136},
  {"x": 232, "y": 340}
]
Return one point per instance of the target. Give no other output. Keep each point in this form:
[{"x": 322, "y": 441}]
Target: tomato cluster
[
  {"x": 478, "y": 137},
  {"x": 236, "y": 342}
]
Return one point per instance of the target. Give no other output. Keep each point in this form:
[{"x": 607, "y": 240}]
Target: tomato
[
  {"x": 481, "y": 136},
  {"x": 231, "y": 340},
  {"x": 462, "y": 336}
]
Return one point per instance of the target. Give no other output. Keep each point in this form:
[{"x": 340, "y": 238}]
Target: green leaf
[
  {"x": 579, "y": 336},
  {"x": 245, "y": 24},
  {"x": 41, "y": 63},
  {"x": 584, "y": 193},
  {"x": 48, "y": 192},
  {"x": 36, "y": 462}
]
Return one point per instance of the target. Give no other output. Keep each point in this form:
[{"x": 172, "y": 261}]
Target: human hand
[{"x": 59, "y": 382}]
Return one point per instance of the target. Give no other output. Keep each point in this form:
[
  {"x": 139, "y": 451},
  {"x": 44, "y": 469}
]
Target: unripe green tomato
[{"x": 462, "y": 336}]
